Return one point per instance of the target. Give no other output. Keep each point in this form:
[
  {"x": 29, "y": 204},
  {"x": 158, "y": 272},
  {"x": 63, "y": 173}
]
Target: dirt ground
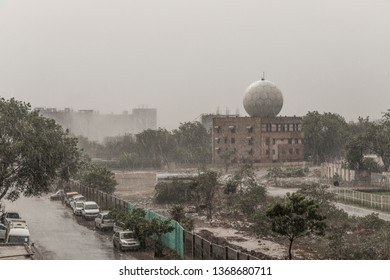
[{"x": 138, "y": 188}]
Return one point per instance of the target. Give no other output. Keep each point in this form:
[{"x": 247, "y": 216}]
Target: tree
[
  {"x": 156, "y": 146},
  {"x": 355, "y": 149},
  {"x": 98, "y": 177},
  {"x": 250, "y": 193},
  {"x": 378, "y": 137},
  {"x": 294, "y": 217},
  {"x": 204, "y": 189},
  {"x": 135, "y": 220},
  {"x": 34, "y": 151},
  {"x": 158, "y": 228},
  {"x": 193, "y": 143},
  {"x": 325, "y": 136}
]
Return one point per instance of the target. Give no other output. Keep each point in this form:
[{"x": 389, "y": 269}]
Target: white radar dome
[{"x": 263, "y": 99}]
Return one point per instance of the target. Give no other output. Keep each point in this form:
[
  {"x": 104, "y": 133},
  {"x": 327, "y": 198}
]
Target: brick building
[{"x": 257, "y": 139}]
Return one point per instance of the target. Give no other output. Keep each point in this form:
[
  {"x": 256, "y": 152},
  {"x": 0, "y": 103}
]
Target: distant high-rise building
[{"x": 95, "y": 126}]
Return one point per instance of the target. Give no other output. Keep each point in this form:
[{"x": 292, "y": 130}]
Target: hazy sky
[{"x": 186, "y": 58}]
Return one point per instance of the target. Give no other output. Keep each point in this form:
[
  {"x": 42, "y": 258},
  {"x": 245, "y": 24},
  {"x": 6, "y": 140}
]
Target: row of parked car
[
  {"x": 13, "y": 229},
  {"x": 89, "y": 210}
]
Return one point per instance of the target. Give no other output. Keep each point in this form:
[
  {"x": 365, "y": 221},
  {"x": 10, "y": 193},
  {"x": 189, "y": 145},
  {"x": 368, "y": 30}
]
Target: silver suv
[{"x": 104, "y": 221}]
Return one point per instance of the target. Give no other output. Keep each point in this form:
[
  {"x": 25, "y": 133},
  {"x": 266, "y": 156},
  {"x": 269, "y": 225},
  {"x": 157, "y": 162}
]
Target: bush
[
  {"x": 289, "y": 172},
  {"x": 173, "y": 192}
]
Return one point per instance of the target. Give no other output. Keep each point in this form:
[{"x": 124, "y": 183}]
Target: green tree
[
  {"x": 355, "y": 149},
  {"x": 135, "y": 220},
  {"x": 98, "y": 177},
  {"x": 193, "y": 143},
  {"x": 325, "y": 136},
  {"x": 250, "y": 194},
  {"x": 203, "y": 190},
  {"x": 296, "y": 216},
  {"x": 158, "y": 228},
  {"x": 156, "y": 146},
  {"x": 34, "y": 151},
  {"x": 378, "y": 137}
]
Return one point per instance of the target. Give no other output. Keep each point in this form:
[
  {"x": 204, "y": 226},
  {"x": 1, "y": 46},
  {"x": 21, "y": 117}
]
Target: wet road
[{"x": 59, "y": 235}]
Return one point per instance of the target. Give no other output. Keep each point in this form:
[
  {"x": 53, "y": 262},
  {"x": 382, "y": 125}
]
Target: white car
[
  {"x": 18, "y": 236},
  {"x": 8, "y": 217},
  {"x": 77, "y": 197},
  {"x": 18, "y": 224},
  {"x": 90, "y": 210},
  {"x": 103, "y": 220},
  {"x": 3, "y": 232},
  {"x": 77, "y": 207},
  {"x": 125, "y": 240}
]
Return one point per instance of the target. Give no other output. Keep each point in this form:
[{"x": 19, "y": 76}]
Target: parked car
[
  {"x": 9, "y": 217},
  {"x": 3, "y": 231},
  {"x": 104, "y": 221},
  {"x": 90, "y": 210},
  {"x": 68, "y": 196},
  {"x": 17, "y": 224},
  {"x": 125, "y": 240},
  {"x": 18, "y": 236},
  {"x": 77, "y": 207},
  {"x": 119, "y": 226},
  {"x": 77, "y": 197},
  {"x": 59, "y": 195}
]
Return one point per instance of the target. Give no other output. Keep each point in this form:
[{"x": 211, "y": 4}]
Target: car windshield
[
  {"x": 80, "y": 204},
  {"x": 91, "y": 206},
  {"x": 127, "y": 235},
  {"x": 13, "y": 215},
  {"x": 107, "y": 217},
  {"x": 18, "y": 239}
]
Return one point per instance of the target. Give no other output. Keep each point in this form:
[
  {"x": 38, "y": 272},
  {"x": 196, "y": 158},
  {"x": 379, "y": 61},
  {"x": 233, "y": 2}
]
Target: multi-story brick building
[
  {"x": 262, "y": 137},
  {"x": 257, "y": 139}
]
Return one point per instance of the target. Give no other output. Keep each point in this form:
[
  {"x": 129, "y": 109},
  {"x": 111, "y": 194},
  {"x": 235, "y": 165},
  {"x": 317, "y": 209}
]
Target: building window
[
  {"x": 267, "y": 141},
  {"x": 233, "y": 140},
  {"x": 225, "y": 140},
  {"x": 250, "y": 129},
  {"x": 283, "y": 152},
  {"x": 217, "y": 129},
  {"x": 273, "y": 152},
  {"x": 217, "y": 140},
  {"x": 282, "y": 128},
  {"x": 232, "y": 128},
  {"x": 290, "y": 141},
  {"x": 296, "y": 141},
  {"x": 250, "y": 140},
  {"x": 290, "y": 151},
  {"x": 288, "y": 127},
  {"x": 276, "y": 127},
  {"x": 267, "y": 152},
  {"x": 297, "y": 151},
  {"x": 269, "y": 127},
  {"x": 218, "y": 150},
  {"x": 273, "y": 141}
]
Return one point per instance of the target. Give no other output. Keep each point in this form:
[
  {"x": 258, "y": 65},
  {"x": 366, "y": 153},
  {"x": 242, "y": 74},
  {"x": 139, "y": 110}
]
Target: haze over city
[{"x": 186, "y": 58}]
